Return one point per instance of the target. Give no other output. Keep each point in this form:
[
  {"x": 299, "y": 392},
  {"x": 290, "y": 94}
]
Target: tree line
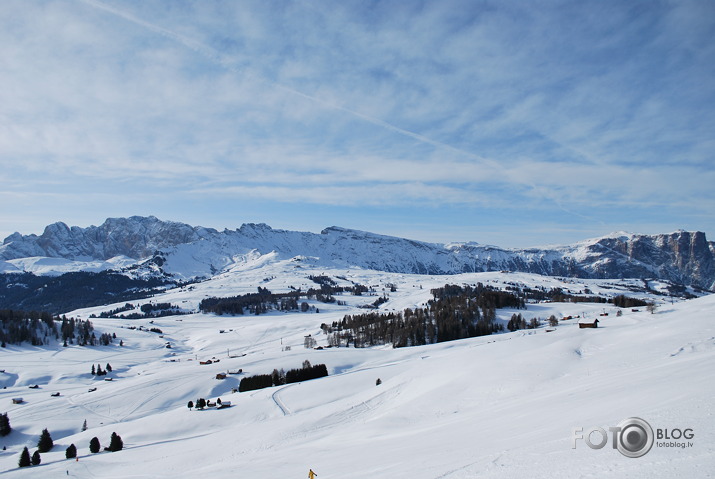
[
  {"x": 558, "y": 295},
  {"x": 148, "y": 310},
  {"x": 625, "y": 302},
  {"x": 70, "y": 291},
  {"x": 455, "y": 312},
  {"x": 264, "y": 300},
  {"x": 40, "y": 328},
  {"x": 517, "y": 321},
  {"x": 280, "y": 377},
  {"x": 253, "y": 303}
]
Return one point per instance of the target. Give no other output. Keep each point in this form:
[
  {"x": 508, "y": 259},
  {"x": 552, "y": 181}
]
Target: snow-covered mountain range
[{"x": 147, "y": 245}]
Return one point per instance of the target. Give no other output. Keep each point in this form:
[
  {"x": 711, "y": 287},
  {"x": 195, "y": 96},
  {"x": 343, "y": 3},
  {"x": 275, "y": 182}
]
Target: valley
[{"x": 502, "y": 405}]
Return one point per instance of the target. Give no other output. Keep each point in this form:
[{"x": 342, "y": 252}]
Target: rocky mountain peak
[
  {"x": 136, "y": 237},
  {"x": 187, "y": 251}
]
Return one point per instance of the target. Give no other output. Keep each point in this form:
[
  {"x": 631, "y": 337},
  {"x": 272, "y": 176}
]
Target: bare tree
[{"x": 310, "y": 342}]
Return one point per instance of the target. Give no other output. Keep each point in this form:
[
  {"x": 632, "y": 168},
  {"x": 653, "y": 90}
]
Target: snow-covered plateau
[{"x": 499, "y": 406}]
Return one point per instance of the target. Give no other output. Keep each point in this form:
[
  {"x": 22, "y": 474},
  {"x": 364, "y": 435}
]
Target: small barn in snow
[{"x": 583, "y": 324}]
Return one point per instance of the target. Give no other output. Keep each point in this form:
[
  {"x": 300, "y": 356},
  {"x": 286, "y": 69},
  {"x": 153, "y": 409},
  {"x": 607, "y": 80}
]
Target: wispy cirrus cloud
[{"x": 566, "y": 110}]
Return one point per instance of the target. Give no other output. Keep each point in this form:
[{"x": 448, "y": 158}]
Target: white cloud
[{"x": 566, "y": 108}]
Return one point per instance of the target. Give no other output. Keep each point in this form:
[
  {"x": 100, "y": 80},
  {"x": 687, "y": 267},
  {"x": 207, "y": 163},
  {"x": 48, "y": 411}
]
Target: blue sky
[{"x": 507, "y": 122}]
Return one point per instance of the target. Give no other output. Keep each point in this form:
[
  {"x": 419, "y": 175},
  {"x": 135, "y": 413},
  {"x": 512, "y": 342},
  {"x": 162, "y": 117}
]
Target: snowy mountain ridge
[{"x": 185, "y": 251}]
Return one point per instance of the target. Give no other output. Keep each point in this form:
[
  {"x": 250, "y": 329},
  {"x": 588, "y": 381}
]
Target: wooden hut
[{"x": 588, "y": 325}]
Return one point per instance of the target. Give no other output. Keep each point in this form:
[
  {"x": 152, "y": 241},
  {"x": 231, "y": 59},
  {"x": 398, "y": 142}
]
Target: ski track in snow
[
  {"x": 695, "y": 346},
  {"x": 281, "y": 405}
]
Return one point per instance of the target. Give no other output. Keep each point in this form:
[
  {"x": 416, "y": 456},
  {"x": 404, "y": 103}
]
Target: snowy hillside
[{"x": 503, "y": 405}]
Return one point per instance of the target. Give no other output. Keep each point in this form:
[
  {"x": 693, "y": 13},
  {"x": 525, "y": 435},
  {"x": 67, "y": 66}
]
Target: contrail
[
  {"x": 216, "y": 57},
  {"x": 198, "y": 47},
  {"x": 220, "y": 59}
]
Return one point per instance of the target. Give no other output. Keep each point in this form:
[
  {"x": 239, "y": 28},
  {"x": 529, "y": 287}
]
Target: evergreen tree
[
  {"x": 109, "y": 368},
  {"x": 200, "y": 403},
  {"x": 190, "y": 405},
  {"x": 84, "y": 425},
  {"x": 5, "y": 428},
  {"x": 277, "y": 378},
  {"x": 36, "y": 459},
  {"x": 24, "y": 458},
  {"x": 116, "y": 443},
  {"x": 516, "y": 322},
  {"x": 45, "y": 443},
  {"x": 71, "y": 452},
  {"x": 94, "y": 445},
  {"x": 93, "y": 371}
]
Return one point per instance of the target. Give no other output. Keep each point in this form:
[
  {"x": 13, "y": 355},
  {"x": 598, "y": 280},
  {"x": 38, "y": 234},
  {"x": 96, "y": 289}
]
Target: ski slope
[{"x": 495, "y": 406}]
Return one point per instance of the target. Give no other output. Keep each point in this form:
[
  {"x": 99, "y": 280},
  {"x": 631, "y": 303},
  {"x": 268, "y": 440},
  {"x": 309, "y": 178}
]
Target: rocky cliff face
[
  {"x": 682, "y": 257},
  {"x": 186, "y": 251},
  {"x": 136, "y": 237}
]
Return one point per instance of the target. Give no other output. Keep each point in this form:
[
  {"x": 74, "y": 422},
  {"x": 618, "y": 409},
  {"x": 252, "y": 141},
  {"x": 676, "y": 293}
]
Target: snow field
[{"x": 495, "y": 406}]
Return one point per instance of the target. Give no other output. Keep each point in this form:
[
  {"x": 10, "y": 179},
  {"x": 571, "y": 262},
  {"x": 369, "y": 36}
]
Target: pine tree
[
  {"x": 24, "y": 458},
  {"x": 200, "y": 403},
  {"x": 71, "y": 452},
  {"x": 93, "y": 371},
  {"x": 84, "y": 425},
  {"x": 36, "y": 459},
  {"x": 190, "y": 405},
  {"x": 5, "y": 428},
  {"x": 109, "y": 368},
  {"x": 116, "y": 443},
  {"x": 94, "y": 445},
  {"x": 45, "y": 443}
]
